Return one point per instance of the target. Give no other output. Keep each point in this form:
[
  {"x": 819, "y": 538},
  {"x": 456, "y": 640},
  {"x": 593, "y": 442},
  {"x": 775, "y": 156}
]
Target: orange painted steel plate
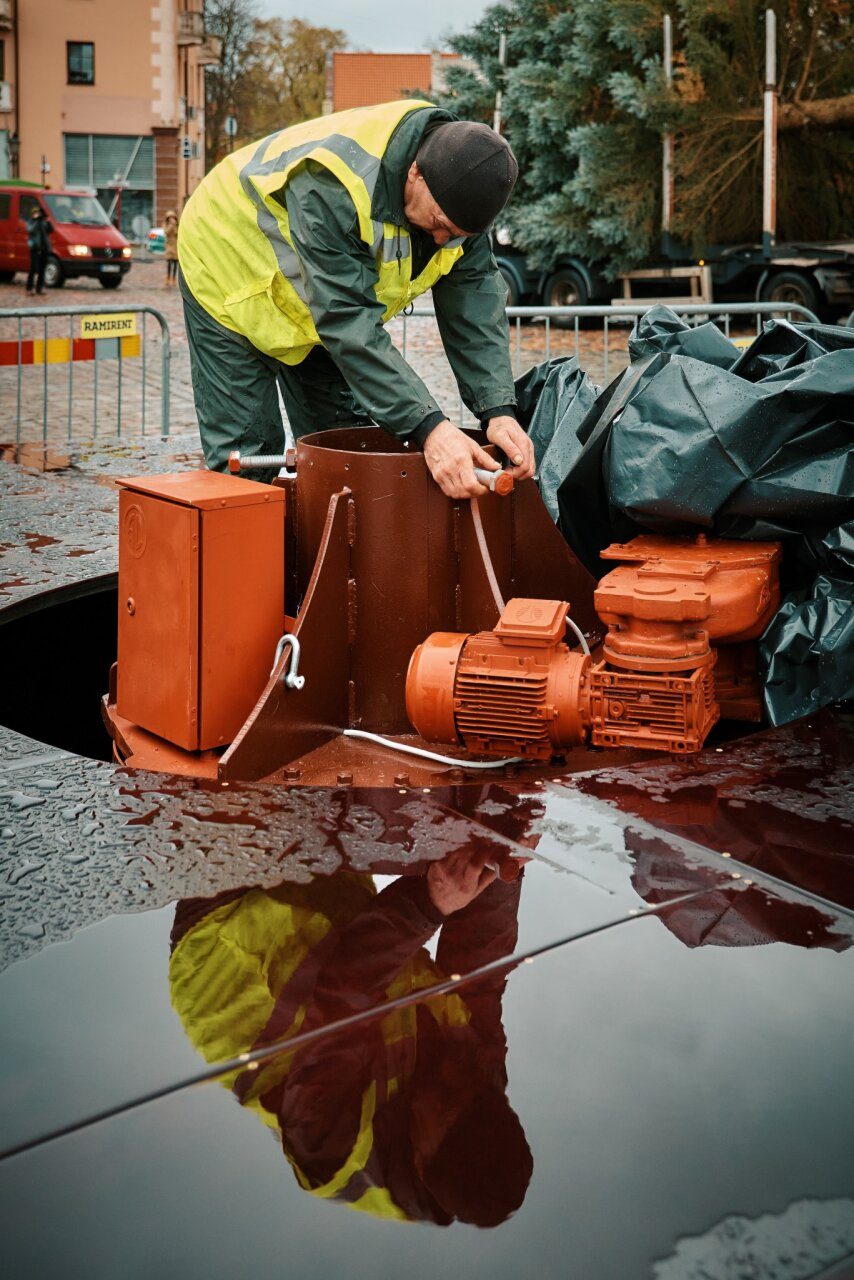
[
  {"x": 201, "y": 603},
  {"x": 241, "y": 614},
  {"x": 204, "y": 489},
  {"x": 159, "y": 617}
]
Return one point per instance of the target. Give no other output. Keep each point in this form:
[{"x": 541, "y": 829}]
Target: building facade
[
  {"x": 364, "y": 79},
  {"x": 107, "y": 95}
]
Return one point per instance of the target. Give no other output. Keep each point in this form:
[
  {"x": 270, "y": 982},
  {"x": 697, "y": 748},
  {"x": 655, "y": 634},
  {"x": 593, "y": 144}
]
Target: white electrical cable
[
  {"x": 582, "y": 640},
  {"x": 431, "y": 755}
]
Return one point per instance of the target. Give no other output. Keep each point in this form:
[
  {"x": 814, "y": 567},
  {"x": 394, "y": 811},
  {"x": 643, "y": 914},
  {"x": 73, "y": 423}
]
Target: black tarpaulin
[
  {"x": 759, "y": 446},
  {"x": 552, "y": 401}
]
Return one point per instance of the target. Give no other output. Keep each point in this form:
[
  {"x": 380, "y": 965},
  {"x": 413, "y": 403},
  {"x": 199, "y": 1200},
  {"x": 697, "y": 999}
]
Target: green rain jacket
[{"x": 340, "y": 274}]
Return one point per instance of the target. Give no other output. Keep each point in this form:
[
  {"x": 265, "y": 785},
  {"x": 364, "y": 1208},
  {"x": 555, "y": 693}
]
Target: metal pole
[
  {"x": 70, "y": 371},
  {"x": 769, "y": 142},
  {"x": 165, "y": 366},
  {"x": 667, "y": 146},
  {"x": 18, "y": 427},
  {"x": 44, "y": 405},
  {"x": 119, "y": 390},
  {"x": 143, "y": 372},
  {"x": 502, "y": 62}
]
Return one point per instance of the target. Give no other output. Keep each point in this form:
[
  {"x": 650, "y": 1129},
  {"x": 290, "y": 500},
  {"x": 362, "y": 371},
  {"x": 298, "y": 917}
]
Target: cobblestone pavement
[{"x": 104, "y": 398}]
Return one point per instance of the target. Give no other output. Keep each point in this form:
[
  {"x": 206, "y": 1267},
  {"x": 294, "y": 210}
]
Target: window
[
  {"x": 100, "y": 161},
  {"x": 81, "y": 62},
  {"x": 83, "y": 211},
  {"x": 5, "y": 205},
  {"x": 2, "y": 59}
]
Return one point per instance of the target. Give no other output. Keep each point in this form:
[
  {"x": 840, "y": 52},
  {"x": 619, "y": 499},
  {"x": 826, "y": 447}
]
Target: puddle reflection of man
[{"x": 405, "y": 1115}]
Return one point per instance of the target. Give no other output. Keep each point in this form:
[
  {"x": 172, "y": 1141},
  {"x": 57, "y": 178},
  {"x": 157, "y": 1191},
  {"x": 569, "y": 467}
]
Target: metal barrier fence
[
  {"x": 562, "y": 332},
  {"x": 94, "y": 402},
  {"x": 120, "y": 345}
]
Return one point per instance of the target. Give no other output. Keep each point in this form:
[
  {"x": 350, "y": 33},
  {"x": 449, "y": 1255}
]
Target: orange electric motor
[{"x": 672, "y": 607}]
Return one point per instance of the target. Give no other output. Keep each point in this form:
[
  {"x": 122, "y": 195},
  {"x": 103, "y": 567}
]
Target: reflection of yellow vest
[
  {"x": 227, "y": 971},
  {"x": 234, "y": 240}
]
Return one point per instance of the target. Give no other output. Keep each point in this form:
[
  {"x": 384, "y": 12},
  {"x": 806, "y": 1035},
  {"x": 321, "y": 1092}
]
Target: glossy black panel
[
  {"x": 781, "y": 801},
  {"x": 627, "y": 1106}
]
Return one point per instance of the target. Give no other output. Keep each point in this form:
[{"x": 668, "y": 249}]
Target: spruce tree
[{"x": 585, "y": 104}]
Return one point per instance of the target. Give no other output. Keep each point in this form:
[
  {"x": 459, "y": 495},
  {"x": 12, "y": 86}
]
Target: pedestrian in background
[
  {"x": 38, "y": 241},
  {"x": 170, "y": 230}
]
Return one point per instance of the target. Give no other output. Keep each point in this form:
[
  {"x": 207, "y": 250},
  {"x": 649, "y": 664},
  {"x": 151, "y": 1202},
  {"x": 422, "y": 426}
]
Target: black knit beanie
[{"x": 470, "y": 171}]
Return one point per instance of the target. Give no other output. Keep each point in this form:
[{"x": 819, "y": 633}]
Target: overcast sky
[{"x": 384, "y": 26}]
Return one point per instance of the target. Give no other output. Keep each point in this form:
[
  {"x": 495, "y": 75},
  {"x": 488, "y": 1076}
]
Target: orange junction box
[{"x": 201, "y": 602}]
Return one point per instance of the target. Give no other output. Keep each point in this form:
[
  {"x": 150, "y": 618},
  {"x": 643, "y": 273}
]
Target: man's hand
[
  {"x": 457, "y": 880},
  {"x": 515, "y": 442},
  {"x": 452, "y": 457}
]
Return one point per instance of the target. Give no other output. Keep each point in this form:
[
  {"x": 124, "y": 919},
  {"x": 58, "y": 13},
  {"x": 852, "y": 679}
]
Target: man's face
[{"x": 422, "y": 211}]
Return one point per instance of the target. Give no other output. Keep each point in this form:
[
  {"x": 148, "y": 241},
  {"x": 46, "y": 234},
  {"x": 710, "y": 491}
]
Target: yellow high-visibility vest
[
  {"x": 227, "y": 972},
  {"x": 234, "y": 241}
]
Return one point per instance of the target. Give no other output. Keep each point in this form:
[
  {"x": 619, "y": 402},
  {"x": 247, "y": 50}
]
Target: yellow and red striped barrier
[
  {"x": 61, "y": 350},
  {"x": 103, "y": 336}
]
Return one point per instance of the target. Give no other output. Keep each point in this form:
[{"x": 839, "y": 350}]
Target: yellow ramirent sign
[{"x": 121, "y": 324}]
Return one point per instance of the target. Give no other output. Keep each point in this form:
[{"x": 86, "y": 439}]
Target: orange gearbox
[{"x": 671, "y": 606}]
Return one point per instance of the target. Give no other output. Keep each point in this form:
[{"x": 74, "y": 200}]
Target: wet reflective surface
[
  {"x": 395, "y": 1023},
  {"x": 596, "y": 1113},
  {"x": 597, "y": 1027}
]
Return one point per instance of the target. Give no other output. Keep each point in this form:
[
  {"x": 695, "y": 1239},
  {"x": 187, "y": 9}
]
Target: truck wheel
[
  {"x": 6, "y": 277},
  {"x": 792, "y": 286},
  {"x": 54, "y": 276},
  {"x": 565, "y": 288},
  {"x": 110, "y": 282}
]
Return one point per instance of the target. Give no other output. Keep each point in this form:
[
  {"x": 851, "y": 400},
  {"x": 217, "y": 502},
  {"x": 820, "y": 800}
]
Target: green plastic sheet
[{"x": 695, "y": 436}]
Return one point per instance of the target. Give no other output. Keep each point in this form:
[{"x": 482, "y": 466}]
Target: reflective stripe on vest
[{"x": 234, "y": 237}]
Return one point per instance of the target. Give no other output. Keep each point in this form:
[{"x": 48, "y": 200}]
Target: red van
[{"x": 83, "y": 241}]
